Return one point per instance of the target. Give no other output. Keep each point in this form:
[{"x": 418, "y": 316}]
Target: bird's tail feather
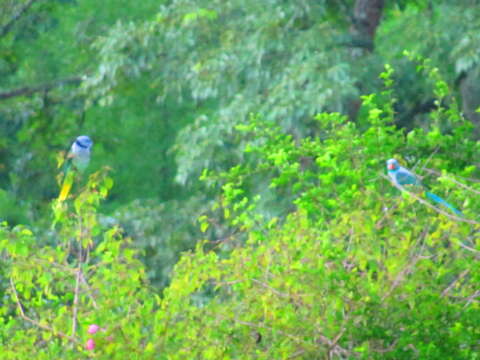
[
  {"x": 66, "y": 186},
  {"x": 440, "y": 201}
]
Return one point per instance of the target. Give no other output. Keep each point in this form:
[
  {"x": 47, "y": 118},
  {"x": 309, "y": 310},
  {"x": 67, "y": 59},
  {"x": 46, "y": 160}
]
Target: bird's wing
[{"x": 405, "y": 177}]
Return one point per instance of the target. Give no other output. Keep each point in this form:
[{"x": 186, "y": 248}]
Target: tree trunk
[
  {"x": 470, "y": 91},
  {"x": 366, "y": 18}
]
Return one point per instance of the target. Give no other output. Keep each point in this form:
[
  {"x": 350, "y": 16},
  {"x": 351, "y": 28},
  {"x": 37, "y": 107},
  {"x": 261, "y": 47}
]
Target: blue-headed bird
[
  {"x": 402, "y": 176},
  {"x": 77, "y": 161}
]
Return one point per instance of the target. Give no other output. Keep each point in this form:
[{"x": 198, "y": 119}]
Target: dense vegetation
[{"x": 237, "y": 203}]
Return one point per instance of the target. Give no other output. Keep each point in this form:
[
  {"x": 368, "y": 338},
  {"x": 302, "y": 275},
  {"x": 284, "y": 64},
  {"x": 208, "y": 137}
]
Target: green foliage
[
  {"x": 161, "y": 232},
  {"x": 35, "y": 129},
  {"x": 343, "y": 288},
  {"x": 243, "y": 57},
  {"x": 354, "y": 270},
  {"x": 55, "y": 291},
  {"x": 297, "y": 246},
  {"x": 446, "y": 40},
  {"x": 162, "y": 86}
]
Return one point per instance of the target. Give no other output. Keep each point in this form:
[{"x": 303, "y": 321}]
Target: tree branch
[
  {"x": 8, "y": 26},
  {"x": 454, "y": 282},
  {"x": 36, "y": 323},
  {"x": 330, "y": 344},
  {"x": 453, "y": 180},
  {"x": 89, "y": 291},
  {"x": 440, "y": 211},
  {"x": 471, "y": 298},
  {"x": 401, "y": 276},
  {"x": 75, "y": 301},
  {"x": 29, "y": 90},
  {"x": 466, "y": 247},
  {"x": 278, "y": 293}
]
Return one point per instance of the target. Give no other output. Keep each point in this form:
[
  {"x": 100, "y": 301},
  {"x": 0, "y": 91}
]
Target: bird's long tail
[
  {"x": 66, "y": 186},
  {"x": 440, "y": 201}
]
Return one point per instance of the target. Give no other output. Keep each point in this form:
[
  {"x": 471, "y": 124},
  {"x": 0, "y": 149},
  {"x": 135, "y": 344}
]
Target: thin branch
[
  {"x": 278, "y": 293},
  {"x": 450, "y": 287},
  {"x": 400, "y": 276},
  {"x": 261, "y": 326},
  {"x": 428, "y": 159},
  {"x": 89, "y": 290},
  {"x": 75, "y": 301},
  {"x": 8, "y": 26},
  {"x": 17, "y": 299},
  {"x": 386, "y": 350},
  {"x": 296, "y": 354},
  {"x": 386, "y": 213},
  {"x": 470, "y": 299},
  {"x": 466, "y": 247},
  {"x": 29, "y": 90},
  {"x": 322, "y": 339},
  {"x": 461, "y": 177},
  {"x": 336, "y": 339},
  {"x": 228, "y": 283},
  {"x": 36, "y": 323},
  {"x": 78, "y": 276},
  {"x": 440, "y": 211},
  {"x": 453, "y": 180}
]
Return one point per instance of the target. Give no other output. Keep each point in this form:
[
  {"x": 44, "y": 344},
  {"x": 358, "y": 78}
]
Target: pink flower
[
  {"x": 92, "y": 329},
  {"x": 90, "y": 344}
]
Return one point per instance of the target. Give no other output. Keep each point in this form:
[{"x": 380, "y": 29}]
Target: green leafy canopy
[{"x": 354, "y": 270}]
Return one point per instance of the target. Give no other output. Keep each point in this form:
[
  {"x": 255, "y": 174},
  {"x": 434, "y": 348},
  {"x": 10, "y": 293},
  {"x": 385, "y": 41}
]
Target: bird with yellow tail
[{"x": 77, "y": 161}]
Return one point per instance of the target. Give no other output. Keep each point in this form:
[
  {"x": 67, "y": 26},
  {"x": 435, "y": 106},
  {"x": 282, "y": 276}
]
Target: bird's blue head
[
  {"x": 392, "y": 165},
  {"x": 84, "y": 142}
]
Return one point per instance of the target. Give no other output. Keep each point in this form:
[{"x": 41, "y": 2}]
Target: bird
[
  {"x": 77, "y": 161},
  {"x": 402, "y": 176}
]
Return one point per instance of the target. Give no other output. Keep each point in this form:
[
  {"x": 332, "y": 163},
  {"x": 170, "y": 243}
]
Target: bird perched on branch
[
  {"x": 77, "y": 161},
  {"x": 402, "y": 176}
]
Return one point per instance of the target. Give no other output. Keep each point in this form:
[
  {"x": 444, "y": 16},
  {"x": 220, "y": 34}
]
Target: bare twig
[
  {"x": 450, "y": 287},
  {"x": 379, "y": 223},
  {"x": 400, "y": 276},
  {"x": 4, "y": 30},
  {"x": 296, "y": 354},
  {"x": 440, "y": 211},
  {"x": 89, "y": 290},
  {"x": 460, "y": 177},
  {"x": 261, "y": 326},
  {"x": 472, "y": 297},
  {"x": 428, "y": 159},
  {"x": 335, "y": 340},
  {"x": 78, "y": 274},
  {"x": 322, "y": 339},
  {"x": 453, "y": 180},
  {"x": 75, "y": 301},
  {"x": 276, "y": 292},
  {"x": 466, "y": 247},
  {"x": 17, "y": 299},
  {"x": 29, "y": 90},
  {"x": 334, "y": 347},
  {"x": 36, "y": 323},
  {"x": 386, "y": 350}
]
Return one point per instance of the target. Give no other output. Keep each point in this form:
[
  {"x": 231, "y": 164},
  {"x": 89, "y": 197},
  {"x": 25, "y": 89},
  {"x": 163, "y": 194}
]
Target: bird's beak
[{"x": 391, "y": 166}]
